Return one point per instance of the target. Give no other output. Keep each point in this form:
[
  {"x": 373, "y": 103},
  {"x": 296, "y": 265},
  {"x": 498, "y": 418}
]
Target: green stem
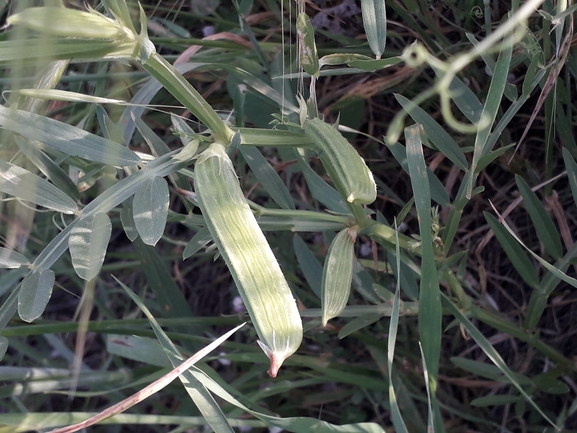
[
  {"x": 305, "y": 214},
  {"x": 387, "y": 234},
  {"x": 188, "y": 96}
]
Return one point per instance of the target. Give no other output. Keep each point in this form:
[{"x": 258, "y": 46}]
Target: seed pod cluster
[
  {"x": 338, "y": 274},
  {"x": 251, "y": 262},
  {"x": 343, "y": 163}
]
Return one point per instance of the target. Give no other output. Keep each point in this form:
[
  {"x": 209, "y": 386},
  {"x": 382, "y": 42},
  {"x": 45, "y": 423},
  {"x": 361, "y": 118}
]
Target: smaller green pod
[
  {"x": 338, "y": 274},
  {"x": 343, "y": 163},
  {"x": 308, "y": 56}
]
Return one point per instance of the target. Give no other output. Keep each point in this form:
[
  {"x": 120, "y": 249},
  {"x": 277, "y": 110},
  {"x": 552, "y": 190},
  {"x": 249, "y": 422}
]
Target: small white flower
[{"x": 238, "y": 305}]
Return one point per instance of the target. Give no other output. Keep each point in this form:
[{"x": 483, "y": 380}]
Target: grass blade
[
  {"x": 168, "y": 295},
  {"x": 25, "y": 185},
  {"x": 492, "y": 106},
  {"x": 430, "y": 317},
  {"x": 493, "y": 355},
  {"x": 268, "y": 177},
  {"x": 438, "y": 192},
  {"x": 48, "y": 167},
  {"x": 375, "y": 24},
  {"x": 438, "y": 136},
  {"x": 396, "y": 415},
  {"x": 65, "y": 138},
  {"x": 12, "y": 259},
  {"x": 542, "y": 222},
  {"x": 198, "y": 393},
  {"x": 310, "y": 266},
  {"x": 571, "y": 167},
  {"x": 514, "y": 251}
]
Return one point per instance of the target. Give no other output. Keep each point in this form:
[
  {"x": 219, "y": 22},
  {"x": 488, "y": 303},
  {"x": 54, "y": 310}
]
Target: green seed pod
[
  {"x": 338, "y": 274},
  {"x": 251, "y": 262},
  {"x": 343, "y": 163},
  {"x": 308, "y": 56},
  {"x": 65, "y": 22}
]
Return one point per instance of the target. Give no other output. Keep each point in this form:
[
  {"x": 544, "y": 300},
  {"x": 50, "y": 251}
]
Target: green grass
[{"x": 460, "y": 320}]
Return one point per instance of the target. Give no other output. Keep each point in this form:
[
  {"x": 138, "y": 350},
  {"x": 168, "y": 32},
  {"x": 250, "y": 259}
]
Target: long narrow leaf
[
  {"x": 268, "y": 177},
  {"x": 430, "y": 317},
  {"x": 49, "y": 168},
  {"x": 310, "y": 266},
  {"x": 199, "y": 394},
  {"x": 571, "y": 167},
  {"x": 65, "y": 138},
  {"x": 12, "y": 259},
  {"x": 542, "y": 222},
  {"x": 438, "y": 136},
  {"x": 375, "y": 24},
  {"x": 514, "y": 252},
  {"x": 27, "y": 186},
  {"x": 492, "y": 354},
  {"x": 492, "y": 106},
  {"x": 397, "y": 417}
]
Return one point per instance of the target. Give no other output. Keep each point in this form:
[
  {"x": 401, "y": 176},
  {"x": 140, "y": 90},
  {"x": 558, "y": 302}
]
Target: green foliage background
[{"x": 460, "y": 320}]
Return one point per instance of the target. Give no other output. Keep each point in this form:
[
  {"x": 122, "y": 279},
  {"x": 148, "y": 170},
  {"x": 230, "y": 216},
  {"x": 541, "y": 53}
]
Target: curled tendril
[
  {"x": 477, "y": 12},
  {"x": 415, "y": 55}
]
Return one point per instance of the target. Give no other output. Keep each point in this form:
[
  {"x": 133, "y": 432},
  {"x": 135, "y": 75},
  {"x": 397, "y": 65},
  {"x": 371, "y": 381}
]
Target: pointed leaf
[
  {"x": 514, "y": 251},
  {"x": 268, "y": 177},
  {"x": 438, "y": 136},
  {"x": 438, "y": 192},
  {"x": 359, "y": 323},
  {"x": 3, "y": 347},
  {"x": 487, "y": 159},
  {"x": 88, "y": 242},
  {"x": 151, "y": 209},
  {"x": 492, "y": 354},
  {"x": 203, "y": 400},
  {"x": 34, "y": 294},
  {"x": 49, "y": 168},
  {"x": 430, "y": 317},
  {"x": 309, "y": 265},
  {"x": 374, "y": 65},
  {"x": 67, "y": 22},
  {"x": 495, "y": 400},
  {"x": 66, "y": 138},
  {"x": 544, "y": 226},
  {"x": 198, "y": 241},
  {"x": 127, "y": 220},
  {"x": 482, "y": 143},
  {"x": 12, "y": 259},
  {"x": 66, "y": 49},
  {"x": 571, "y": 167},
  {"x": 464, "y": 98},
  {"x": 27, "y": 186},
  {"x": 375, "y": 23}
]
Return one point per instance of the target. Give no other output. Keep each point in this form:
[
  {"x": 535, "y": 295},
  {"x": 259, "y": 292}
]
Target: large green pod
[{"x": 251, "y": 262}]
